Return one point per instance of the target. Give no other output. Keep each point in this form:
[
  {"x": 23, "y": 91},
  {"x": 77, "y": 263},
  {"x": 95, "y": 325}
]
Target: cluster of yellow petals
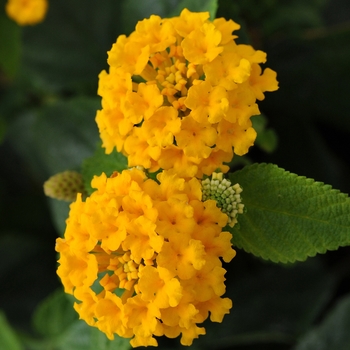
[
  {"x": 27, "y": 12},
  {"x": 143, "y": 257},
  {"x": 179, "y": 94}
]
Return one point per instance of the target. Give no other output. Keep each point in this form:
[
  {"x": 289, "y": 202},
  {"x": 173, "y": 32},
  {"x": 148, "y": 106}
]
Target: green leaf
[
  {"x": 58, "y": 136},
  {"x": 57, "y": 321},
  {"x": 54, "y": 138},
  {"x": 198, "y": 6},
  {"x": 267, "y": 138},
  {"x": 289, "y": 217},
  {"x": 333, "y": 333},
  {"x": 135, "y": 10},
  {"x": 55, "y": 315},
  {"x": 102, "y": 162},
  {"x": 9, "y": 339},
  {"x": 59, "y": 213},
  {"x": 84, "y": 337},
  {"x": 10, "y": 45}
]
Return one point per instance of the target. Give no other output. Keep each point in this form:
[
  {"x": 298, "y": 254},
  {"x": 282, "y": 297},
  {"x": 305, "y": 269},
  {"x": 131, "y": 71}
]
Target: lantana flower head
[
  {"x": 179, "y": 94},
  {"x": 143, "y": 257},
  {"x": 27, "y": 12}
]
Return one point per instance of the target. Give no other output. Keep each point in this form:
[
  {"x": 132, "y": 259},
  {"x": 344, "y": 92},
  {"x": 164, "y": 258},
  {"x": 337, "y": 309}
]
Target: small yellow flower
[
  {"x": 171, "y": 73},
  {"x": 195, "y": 138},
  {"x": 143, "y": 258},
  {"x": 239, "y": 136},
  {"x": 27, "y": 12},
  {"x": 202, "y": 44},
  {"x": 208, "y": 104}
]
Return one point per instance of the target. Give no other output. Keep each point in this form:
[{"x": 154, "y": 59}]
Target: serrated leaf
[
  {"x": 9, "y": 339},
  {"x": 333, "y": 333},
  {"x": 102, "y": 162},
  {"x": 54, "y": 315},
  {"x": 289, "y": 217}
]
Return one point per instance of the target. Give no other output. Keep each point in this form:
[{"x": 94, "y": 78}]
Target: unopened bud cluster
[
  {"x": 226, "y": 195},
  {"x": 64, "y": 186}
]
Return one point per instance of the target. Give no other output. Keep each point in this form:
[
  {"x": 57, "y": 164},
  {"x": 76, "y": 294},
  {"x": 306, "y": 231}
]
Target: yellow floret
[{"x": 27, "y": 12}]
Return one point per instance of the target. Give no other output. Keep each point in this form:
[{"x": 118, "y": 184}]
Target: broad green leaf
[
  {"x": 333, "y": 333},
  {"x": 102, "y": 162},
  {"x": 58, "y": 136},
  {"x": 9, "y": 339},
  {"x": 84, "y": 337},
  {"x": 57, "y": 321},
  {"x": 289, "y": 217},
  {"x": 59, "y": 214},
  {"x": 10, "y": 44},
  {"x": 66, "y": 133},
  {"x": 54, "y": 315}
]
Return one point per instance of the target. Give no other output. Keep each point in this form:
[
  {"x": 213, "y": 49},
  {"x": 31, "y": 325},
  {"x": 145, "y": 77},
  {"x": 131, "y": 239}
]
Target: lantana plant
[
  {"x": 142, "y": 253},
  {"x": 159, "y": 213}
]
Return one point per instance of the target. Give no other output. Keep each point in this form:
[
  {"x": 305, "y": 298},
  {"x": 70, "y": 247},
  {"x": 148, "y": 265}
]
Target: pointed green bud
[
  {"x": 64, "y": 186},
  {"x": 226, "y": 195}
]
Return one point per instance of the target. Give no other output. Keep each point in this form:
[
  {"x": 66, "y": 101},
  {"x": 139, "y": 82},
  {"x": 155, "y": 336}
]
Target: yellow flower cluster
[
  {"x": 143, "y": 257},
  {"x": 27, "y": 12},
  {"x": 179, "y": 94}
]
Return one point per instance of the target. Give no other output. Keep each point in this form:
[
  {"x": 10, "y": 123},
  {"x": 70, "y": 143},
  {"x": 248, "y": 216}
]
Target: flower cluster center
[{"x": 173, "y": 75}]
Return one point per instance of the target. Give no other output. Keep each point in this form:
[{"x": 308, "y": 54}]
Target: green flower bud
[
  {"x": 64, "y": 186},
  {"x": 226, "y": 195}
]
